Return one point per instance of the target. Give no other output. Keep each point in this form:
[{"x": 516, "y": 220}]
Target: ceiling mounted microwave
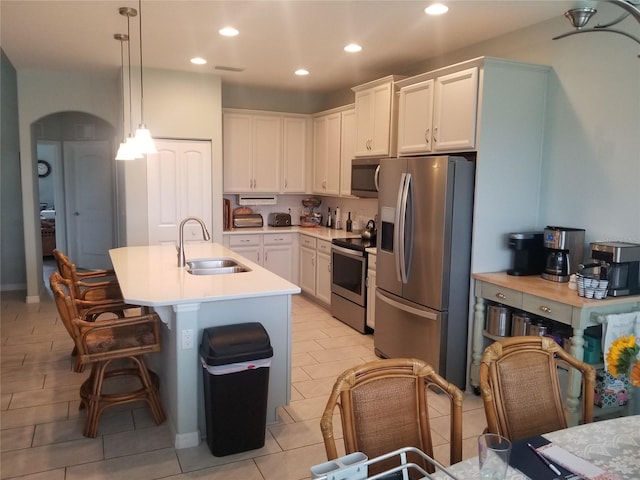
[{"x": 364, "y": 177}]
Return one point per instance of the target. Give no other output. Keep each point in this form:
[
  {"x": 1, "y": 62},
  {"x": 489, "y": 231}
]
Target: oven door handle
[{"x": 346, "y": 251}]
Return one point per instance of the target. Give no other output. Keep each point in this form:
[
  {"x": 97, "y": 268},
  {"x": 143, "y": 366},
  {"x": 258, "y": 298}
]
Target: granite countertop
[
  {"x": 149, "y": 276},
  {"x": 323, "y": 233}
]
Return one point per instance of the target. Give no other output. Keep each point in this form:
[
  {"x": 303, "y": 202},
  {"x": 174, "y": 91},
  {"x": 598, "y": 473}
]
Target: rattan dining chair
[
  {"x": 115, "y": 349},
  {"x": 520, "y": 387},
  {"x": 383, "y": 406}
]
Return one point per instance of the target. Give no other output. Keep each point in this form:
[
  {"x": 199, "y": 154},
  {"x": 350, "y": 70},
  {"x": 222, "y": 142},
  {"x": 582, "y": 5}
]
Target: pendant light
[
  {"x": 131, "y": 144},
  {"x": 143, "y": 136},
  {"x": 123, "y": 152}
]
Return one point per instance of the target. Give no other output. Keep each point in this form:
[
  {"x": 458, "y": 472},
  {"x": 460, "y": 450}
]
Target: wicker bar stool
[{"x": 114, "y": 347}]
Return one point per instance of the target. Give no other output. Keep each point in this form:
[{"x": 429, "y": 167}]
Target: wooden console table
[{"x": 547, "y": 299}]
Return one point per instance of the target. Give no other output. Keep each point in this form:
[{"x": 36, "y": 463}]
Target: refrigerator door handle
[
  {"x": 406, "y": 308},
  {"x": 402, "y": 228},
  {"x": 397, "y": 238},
  {"x": 376, "y": 178}
]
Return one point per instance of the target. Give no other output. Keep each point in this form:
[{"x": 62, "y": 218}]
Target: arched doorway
[{"x": 76, "y": 184}]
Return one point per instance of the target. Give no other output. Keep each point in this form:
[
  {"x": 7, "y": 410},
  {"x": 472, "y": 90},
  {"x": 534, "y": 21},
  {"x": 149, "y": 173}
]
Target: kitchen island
[{"x": 187, "y": 304}]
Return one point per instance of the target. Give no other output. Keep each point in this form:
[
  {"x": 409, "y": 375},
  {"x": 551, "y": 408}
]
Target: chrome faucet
[{"x": 205, "y": 235}]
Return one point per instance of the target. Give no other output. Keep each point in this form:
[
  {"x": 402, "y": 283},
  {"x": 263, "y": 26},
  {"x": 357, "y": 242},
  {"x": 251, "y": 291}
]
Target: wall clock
[{"x": 44, "y": 169}]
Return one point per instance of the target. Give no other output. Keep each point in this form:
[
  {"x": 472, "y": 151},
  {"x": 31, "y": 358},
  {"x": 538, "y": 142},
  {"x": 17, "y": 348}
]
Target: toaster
[{"x": 279, "y": 220}]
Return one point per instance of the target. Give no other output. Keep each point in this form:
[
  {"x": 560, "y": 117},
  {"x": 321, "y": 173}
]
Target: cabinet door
[
  {"x": 326, "y": 154},
  {"x": 178, "y": 186},
  {"x": 381, "y": 120},
  {"x": 323, "y": 277},
  {"x": 279, "y": 260},
  {"x": 267, "y": 152},
  {"x": 415, "y": 118},
  {"x": 308, "y": 270},
  {"x": 237, "y": 152},
  {"x": 455, "y": 108},
  {"x": 347, "y": 149},
  {"x": 294, "y": 154},
  {"x": 253, "y": 253},
  {"x": 364, "y": 122}
]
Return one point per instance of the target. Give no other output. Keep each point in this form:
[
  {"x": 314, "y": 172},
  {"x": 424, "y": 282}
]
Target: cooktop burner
[{"x": 354, "y": 243}]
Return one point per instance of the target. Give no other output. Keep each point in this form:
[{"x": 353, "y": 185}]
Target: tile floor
[{"x": 41, "y": 424}]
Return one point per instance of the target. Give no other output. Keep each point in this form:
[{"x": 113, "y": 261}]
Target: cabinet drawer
[
  {"x": 324, "y": 247},
  {"x": 372, "y": 261},
  {"x": 503, "y": 295},
  {"x": 307, "y": 241},
  {"x": 560, "y": 312},
  {"x": 278, "y": 239},
  {"x": 244, "y": 240}
]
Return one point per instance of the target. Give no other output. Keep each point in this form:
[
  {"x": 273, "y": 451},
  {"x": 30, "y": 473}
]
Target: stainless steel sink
[{"x": 215, "y": 266}]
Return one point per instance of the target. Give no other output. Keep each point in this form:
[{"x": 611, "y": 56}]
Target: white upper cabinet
[
  {"x": 375, "y": 118},
  {"x": 326, "y": 154},
  {"x": 252, "y": 151},
  {"x": 415, "y": 119},
  {"x": 264, "y": 152},
  {"x": 294, "y": 154},
  {"x": 347, "y": 149},
  {"x": 439, "y": 114},
  {"x": 455, "y": 109}
]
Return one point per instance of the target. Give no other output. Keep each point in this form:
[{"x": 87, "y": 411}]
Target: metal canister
[
  {"x": 537, "y": 328},
  {"x": 499, "y": 320},
  {"x": 520, "y": 322}
]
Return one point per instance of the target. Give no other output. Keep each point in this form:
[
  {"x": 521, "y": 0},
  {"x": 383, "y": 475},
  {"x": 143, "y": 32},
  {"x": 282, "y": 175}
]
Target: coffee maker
[
  {"x": 528, "y": 253},
  {"x": 620, "y": 264},
  {"x": 563, "y": 249}
]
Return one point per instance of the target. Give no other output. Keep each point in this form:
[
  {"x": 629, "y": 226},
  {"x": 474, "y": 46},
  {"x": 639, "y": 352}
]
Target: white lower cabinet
[
  {"x": 275, "y": 252},
  {"x": 315, "y": 268},
  {"x": 371, "y": 291}
]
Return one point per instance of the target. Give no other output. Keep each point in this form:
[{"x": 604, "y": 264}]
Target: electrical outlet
[{"x": 187, "y": 339}]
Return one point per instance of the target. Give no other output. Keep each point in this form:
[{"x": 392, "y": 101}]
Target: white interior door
[
  {"x": 178, "y": 186},
  {"x": 88, "y": 174}
]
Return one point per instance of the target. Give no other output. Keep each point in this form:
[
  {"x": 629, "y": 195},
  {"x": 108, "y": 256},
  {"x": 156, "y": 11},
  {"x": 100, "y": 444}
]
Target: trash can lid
[{"x": 235, "y": 343}]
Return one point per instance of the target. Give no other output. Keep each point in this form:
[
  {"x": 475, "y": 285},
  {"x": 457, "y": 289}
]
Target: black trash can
[{"x": 236, "y": 360}]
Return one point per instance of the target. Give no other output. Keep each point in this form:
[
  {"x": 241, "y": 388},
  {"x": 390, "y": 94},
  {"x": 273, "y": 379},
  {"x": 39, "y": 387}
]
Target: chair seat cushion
[{"x": 120, "y": 337}]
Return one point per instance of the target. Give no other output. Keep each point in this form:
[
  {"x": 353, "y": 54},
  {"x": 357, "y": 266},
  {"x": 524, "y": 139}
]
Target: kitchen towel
[{"x": 617, "y": 325}]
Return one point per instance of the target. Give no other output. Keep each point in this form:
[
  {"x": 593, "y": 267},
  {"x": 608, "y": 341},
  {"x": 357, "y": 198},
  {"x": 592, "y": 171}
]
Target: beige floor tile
[
  {"x": 200, "y": 457},
  {"x": 308, "y": 334},
  {"x": 305, "y": 346},
  {"x": 22, "y": 384},
  {"x": 5, "y": 400},
  {"x": 16, "y": 438},
  {"x": 316, "y": 388},
  {"x": 347, "y": 340},
  {"x": 242, "y": 470},
  {"x": 333, "y": 354},
  {"x": 50, "y": 457},
  {"x": 22, "y": 417},
  {"x": 67, "y": 377},
  {"x": 306, "y": 409},
  {"x": 137, "y": 441},
  {"x": 473, "y": 423},
  {"x": 331, "y": 369},
  {"x": 57, "y": 474},
  {"x": 298, "y": 374},
  {"x": 299, "y": 434},
  {"x": 31, "y": 339},
  {"x": 292, "y": 464},
  {"x": 142, "y": 466},
  {"x": 45, "y": 396},
  {"x": 301, "y": 359}
]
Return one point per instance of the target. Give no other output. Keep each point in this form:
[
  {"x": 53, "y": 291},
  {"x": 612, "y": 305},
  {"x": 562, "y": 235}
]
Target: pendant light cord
[
  {"x": 141, "y": 82},
  {"x": 129, "y": 61},
  {"x": 122, "y": 82}
]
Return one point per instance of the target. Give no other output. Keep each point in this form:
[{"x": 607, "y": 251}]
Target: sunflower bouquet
[{"x": 622, "y": 358}]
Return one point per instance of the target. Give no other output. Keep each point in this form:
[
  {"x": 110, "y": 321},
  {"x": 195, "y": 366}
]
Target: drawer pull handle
[
  {"x": 501, "y": 296},
  {"x": 546, "y": 309}
]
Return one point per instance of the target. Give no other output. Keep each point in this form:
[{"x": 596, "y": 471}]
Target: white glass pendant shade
[
  {"x": 129, "y": 150},
  {"x": 144, "y": 140}
]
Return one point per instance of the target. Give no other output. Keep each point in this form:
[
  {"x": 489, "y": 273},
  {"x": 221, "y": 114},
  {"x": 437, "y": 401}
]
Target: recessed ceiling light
[
  {"x": 352, "y": 48},
  {"x": 198, "y": 61},
  {"x": 436, "y": 9},
  {"x": 228, "y": 32},
  {"x": 301, "y": 72}
]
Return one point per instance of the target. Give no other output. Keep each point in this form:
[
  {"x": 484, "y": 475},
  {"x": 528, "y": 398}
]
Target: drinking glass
[{"x": 493, "y": 455}]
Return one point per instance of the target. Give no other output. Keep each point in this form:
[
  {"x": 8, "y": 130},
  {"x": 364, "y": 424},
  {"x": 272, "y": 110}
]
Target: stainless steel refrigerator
[{"x": 423, "y": 261}]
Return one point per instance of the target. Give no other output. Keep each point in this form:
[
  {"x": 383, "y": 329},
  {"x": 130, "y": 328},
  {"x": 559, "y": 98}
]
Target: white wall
[
  {"x": 177, "y": 105},
  {"x": 40, "y": 94},
  {"x": 591, "y": 164}
]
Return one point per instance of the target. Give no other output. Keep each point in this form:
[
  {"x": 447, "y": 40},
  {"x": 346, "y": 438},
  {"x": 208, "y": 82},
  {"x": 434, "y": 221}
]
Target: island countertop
[{"x": 149, "y": 276}]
